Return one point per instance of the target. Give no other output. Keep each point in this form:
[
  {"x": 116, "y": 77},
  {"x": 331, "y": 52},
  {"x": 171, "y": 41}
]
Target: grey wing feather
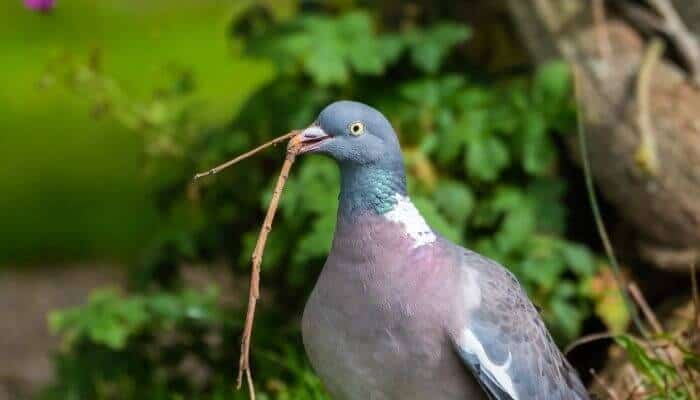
[
  {"x": 505, "y": 344},
  {"x": 491, "y": 386}
]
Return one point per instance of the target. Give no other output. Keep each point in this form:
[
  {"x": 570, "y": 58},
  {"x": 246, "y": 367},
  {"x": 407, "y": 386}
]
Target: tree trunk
[{"x": 641, "y": 112}]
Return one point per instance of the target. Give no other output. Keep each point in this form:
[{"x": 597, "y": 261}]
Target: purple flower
[{"x": 40, "y": 5}]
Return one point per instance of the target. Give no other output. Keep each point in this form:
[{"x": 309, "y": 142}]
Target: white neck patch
[{"x": 406, "y": 214}]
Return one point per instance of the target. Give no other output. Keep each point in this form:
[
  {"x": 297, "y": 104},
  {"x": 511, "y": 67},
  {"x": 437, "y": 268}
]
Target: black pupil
[{"x": 356, "y": 128}]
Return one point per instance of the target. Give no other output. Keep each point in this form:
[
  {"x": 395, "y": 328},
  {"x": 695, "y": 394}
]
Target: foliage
[
  {"x": 164, "y": 346},
  {"x": 482, "y": 157},
  {"x": 662, "y": 378}
]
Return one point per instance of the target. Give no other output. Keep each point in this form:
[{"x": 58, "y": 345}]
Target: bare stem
[
  {"x": 254, "y": 291},
  {"x": 593, "y": 200},
  {"x": 611, "y": 393},
  {"x": 684, "y": 39},
  {"x": 696, "y": 297},
  {"x": 601, "y": 30},
  {"x": 245, "y": 155},
  {"x": 594, "y": 337},
  {"x": 644, "y": 306}
]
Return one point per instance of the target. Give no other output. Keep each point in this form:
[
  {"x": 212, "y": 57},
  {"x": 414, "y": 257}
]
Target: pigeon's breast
[{"x": 374, "y": 325}]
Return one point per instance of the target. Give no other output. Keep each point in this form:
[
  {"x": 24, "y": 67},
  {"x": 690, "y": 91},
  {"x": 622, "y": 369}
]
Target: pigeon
[{"x": 398, "y": 311}]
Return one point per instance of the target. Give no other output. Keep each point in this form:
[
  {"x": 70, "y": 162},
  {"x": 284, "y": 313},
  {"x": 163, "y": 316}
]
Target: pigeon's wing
[{"x": 504, "y": 342}]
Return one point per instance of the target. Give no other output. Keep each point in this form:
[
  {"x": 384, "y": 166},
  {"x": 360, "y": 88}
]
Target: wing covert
[{"x": 505, "y": 343}]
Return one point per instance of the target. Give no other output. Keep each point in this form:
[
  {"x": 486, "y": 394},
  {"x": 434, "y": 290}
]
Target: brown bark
[{"x": 660, "y": 200}]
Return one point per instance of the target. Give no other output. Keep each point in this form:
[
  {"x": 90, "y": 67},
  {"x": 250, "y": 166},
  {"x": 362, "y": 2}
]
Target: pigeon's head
[{"x": 352, "y": 133}]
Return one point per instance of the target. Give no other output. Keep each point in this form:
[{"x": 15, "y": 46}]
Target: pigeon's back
[{"x": 504, "y": 341}]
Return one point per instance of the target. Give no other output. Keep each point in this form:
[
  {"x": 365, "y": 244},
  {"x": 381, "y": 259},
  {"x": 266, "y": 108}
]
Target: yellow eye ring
[{"x": 356, "y": 128}]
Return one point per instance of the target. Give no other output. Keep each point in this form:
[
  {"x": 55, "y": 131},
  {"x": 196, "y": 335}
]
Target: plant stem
[
  {"x": 254, "y": 291},
  {"x": 245, "y": 155}
]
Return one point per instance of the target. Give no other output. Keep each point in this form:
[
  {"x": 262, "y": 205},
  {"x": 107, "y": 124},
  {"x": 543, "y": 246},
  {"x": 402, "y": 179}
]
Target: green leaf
[
  {"x": 543, "y": 271},
  {"x": 691, "y": 360},
  {"x": 432, "y": 93},
  {"x": 430, "y": 46},
  {"x": 552, "y": 82},
  {"x": 325, "y": 65},
  {"x": 455, "y": 201},
  {"x": 546, "y": 195},
  {"x": 317, "y": 242},
  {"x": 517, "y": 227},
  {"x": 538, "y": 153},
  {"x": 656, "y": 371},
  {"x": 568, "y": 318},
  {"x": 578, "y": 258},
  {"x": 486, "y": 157}
]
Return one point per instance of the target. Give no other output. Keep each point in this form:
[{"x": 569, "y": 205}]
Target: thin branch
[
  {"x": 641, "y": 17},
  {"x": 633, "y": 390},
  {"x": 245, "y": 155},
  {"x": 594, "y": 337},
  {"x": 593, "y": 200},
  {"x": 613, "y": 395},
  {"x": 251, "y": 387},
  {"x": 696, "y": 296},
  {"x": 644, "y": 306},
  {"x": 647, "y": 155},
  {"x": 254, "y": 291},
  {"x": 684, "y": 39},
  {"x": 601, "y": 29}
]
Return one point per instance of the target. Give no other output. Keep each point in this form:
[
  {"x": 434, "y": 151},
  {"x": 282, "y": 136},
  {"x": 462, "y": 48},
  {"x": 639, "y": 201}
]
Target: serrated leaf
[
  {"x": 486, "y": 157},
  {"x": 517, "y": 227},
  {"x": 578, "y": 258},
  {"x": 430, "y": 46}
]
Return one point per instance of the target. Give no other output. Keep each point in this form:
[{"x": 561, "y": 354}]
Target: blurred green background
[
  {"x": 73, "y": 185},
  {"x": 110, "y": 107}
]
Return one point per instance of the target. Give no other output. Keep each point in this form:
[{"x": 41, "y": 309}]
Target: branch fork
[{"x": 257, "y": 257}]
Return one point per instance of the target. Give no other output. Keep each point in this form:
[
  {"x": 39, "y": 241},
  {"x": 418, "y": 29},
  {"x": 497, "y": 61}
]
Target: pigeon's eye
[{"x": 357, "y": 128}]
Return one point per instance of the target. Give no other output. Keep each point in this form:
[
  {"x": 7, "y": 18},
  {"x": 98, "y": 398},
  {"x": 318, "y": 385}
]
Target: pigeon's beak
[{"x": 311, "y": 138}]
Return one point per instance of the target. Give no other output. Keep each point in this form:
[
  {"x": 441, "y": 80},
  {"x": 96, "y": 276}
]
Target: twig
[
  {"x": 644, "y": 306},
  {"x": 245, "y": 155},
  {"x": 647, "y": 155},
  {"x": 633, "y": 390},
  {"x": 254, "y": 291},
  {"x": 594, "y": 337},
  {"x": 686, "y": 42},
  {"x": 641, "y": 17},
  {"x": 593, "y": 200},
  {"x": 601, "y": 30},
  {"x": 696, "y": 297},
  {"x": 251, "y": 387},
  {"x": 604, "y": 385}
]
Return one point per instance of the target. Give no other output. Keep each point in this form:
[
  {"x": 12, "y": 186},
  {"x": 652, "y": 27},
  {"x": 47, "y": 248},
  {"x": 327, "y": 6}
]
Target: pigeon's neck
[
  {"x": 381, "y": 192},
  {"x": 370, "y": 189}
]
